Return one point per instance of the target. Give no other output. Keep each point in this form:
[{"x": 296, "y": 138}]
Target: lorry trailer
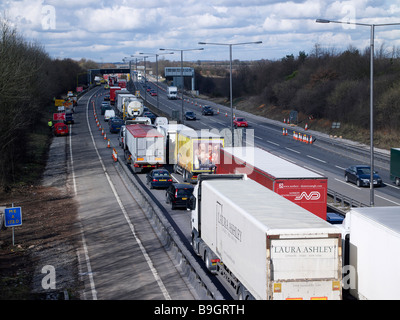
[
  {"x": 302, "y": 186},
  {"x": 395, "y": 165},
  {"x": 172, "y": 93},
  {"x": 372, "y": 250},
  {"x": 197, "y": 151},
  {"x": 144, "y": 147},
  {"x": 264, "y": 245}
]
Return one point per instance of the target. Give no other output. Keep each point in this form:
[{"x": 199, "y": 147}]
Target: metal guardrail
[{"x": 343, "y": 203}]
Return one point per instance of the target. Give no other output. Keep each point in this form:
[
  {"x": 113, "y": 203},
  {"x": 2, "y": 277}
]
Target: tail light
[
  {"x": 169, "y": 180},
  {"x": 176, "y": 194}
]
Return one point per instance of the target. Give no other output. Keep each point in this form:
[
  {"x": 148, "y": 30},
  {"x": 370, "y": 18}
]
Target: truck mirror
[{"x": 192, "y": 203}]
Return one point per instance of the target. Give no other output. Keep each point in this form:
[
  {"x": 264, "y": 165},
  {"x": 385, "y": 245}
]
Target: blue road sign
[{"x": 13, "y": 217}]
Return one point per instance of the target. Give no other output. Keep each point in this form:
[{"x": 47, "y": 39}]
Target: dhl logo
[{"x": 314, "y": 195}]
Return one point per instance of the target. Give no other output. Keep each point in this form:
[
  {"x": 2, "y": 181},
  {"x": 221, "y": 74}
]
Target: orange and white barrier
[{"x": 115, "y": 155}]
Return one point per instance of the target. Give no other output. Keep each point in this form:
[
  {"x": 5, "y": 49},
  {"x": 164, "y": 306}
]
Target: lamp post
[
  {"x": 230, "y": 73},
  {"x": 145, "y": 79},
  {"x": 156, "y": 55},
  {"x": 371, "y": 98},
  {"x": 181, "y": 50}
]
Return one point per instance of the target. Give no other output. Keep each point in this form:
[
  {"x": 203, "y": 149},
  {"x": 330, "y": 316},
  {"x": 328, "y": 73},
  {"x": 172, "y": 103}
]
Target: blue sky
[{"x": 107, "y": 31}]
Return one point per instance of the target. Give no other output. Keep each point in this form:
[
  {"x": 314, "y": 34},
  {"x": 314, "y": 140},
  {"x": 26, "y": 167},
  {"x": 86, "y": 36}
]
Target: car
[
  {"x": 360, "y": 175},
  {"x": 107, "y": 98},
  {"x": 179, "y": 194},
  {"x": 159, "y": 178},
  {"x": 190, "y": 115},
  {"x": 153, "y": 92},
  {"x": 60, "y": 129},
  {"x": 105, "y": 106},
  {"x": 109, "y": 114},
  {"x": 115, "y": 124},
  {"x": 69, "y": 118},
  {"x": 240, "y": 122},
  {"x": 207, "y": 111},
  {"x": 148, "y": 89}
]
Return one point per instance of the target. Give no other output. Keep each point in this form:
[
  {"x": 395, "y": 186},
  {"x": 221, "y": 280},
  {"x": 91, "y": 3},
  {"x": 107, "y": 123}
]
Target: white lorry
[
  {"x": 134, "y": 108},
  {"x": 372, "y": 252},
  {"x": 124, "y": 99},
  {"x": 170, "y": 131},
  {"x": 172, "y": 93},
  {"x": 144, "y": 147},
  {"x": 265, "y": 246}
]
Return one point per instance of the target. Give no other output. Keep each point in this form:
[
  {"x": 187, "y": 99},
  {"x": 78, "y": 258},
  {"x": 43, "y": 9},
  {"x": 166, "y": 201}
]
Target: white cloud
[{"x": 113, "y": 29}]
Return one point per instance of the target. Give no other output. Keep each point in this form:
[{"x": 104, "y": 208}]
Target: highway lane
[
  {"x": 121, "y": 256},
  {"x": 179, "y": 219},
  {"x": 328, "y": 159}
]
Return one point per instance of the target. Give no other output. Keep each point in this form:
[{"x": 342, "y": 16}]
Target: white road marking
[
  {"x": 316, "y": 159},
  {"x": 292, "y": 150}
]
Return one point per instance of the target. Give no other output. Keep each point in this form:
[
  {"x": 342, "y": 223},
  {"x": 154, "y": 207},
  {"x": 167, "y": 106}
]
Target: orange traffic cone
[{"x": 108, "y": 144}]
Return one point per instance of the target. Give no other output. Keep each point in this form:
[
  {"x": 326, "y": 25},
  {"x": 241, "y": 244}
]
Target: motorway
[
  {"x": 326, "y": 156},
  {"x": 122, "y": 257}
]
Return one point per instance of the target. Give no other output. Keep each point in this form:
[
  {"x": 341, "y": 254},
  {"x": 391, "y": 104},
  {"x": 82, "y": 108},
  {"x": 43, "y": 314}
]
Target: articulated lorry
[
  {"x": 302, "y": 186},
  {"x": 264, "y": 245},
  {"x": 172, "y": 93},
  {"x": 170, "y": 131},
  {"x": 371, "y": 250},
  {"x": 121, "y": 97},
  {"x": 196, "y": 152},
  {"x": 144, "y": 147},
  {"x": 395, "y": 165},
  {"x": 134, "y": 108}
]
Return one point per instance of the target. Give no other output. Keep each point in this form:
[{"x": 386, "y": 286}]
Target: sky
[{"x": 109, "y": 31}]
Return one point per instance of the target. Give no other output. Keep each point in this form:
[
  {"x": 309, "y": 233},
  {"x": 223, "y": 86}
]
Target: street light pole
[
  {"x": 181, "y": 50},
  {"x": 371, "y": 100},
  {"x": 230, "y": 74},
  {"x": 156, "y": 55}
]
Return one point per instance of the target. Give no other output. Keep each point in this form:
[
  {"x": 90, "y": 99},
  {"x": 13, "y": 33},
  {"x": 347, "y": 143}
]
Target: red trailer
[
  {"x": 112, "y": 94},
  {"x": 304, "y": 187}
]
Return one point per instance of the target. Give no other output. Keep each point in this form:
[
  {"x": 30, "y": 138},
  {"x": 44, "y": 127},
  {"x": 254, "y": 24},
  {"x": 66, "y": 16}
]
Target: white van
[{"x": 108, "y": 114}]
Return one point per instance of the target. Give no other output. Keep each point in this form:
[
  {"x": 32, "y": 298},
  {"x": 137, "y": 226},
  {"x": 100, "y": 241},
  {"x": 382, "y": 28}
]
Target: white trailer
[
  {"x": 172, "y": 93},
  {"x": 134, "y": 108},
  {"x": 144, "y": 147},
  {"x": 374, "y": 252},
  {"x": 266, "y": 246}
]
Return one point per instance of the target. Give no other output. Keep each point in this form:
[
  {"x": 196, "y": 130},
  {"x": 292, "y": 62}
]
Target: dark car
[
  {"x": 179, "y": 194},
  {"x": 115, "y": 124},
  {"x": 207, "y": 111},
  {"x": 69, "y": 118},
  {"x": 190, "y": 115},
  {"x": 159, "y": 178},
  {"x": 360, "y": 175},
  {"x": 104, "y": 107},
  {"x": 107, "y": 98}
]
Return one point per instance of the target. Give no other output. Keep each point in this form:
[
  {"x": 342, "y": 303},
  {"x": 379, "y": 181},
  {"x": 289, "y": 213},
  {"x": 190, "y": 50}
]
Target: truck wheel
[
  {"x": 397, "y": 181},
  {"x": 209, "y": 263}
]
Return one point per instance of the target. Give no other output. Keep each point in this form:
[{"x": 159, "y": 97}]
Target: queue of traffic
[{"x": 264, "y": 231}]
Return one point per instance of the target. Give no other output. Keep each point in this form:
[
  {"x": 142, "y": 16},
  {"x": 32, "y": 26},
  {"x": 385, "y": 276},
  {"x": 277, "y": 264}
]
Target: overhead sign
[
  {"x": 176, "y": 72},
  {"x": 13, "y": 217},
  {"x": 59, "y": 116}
]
